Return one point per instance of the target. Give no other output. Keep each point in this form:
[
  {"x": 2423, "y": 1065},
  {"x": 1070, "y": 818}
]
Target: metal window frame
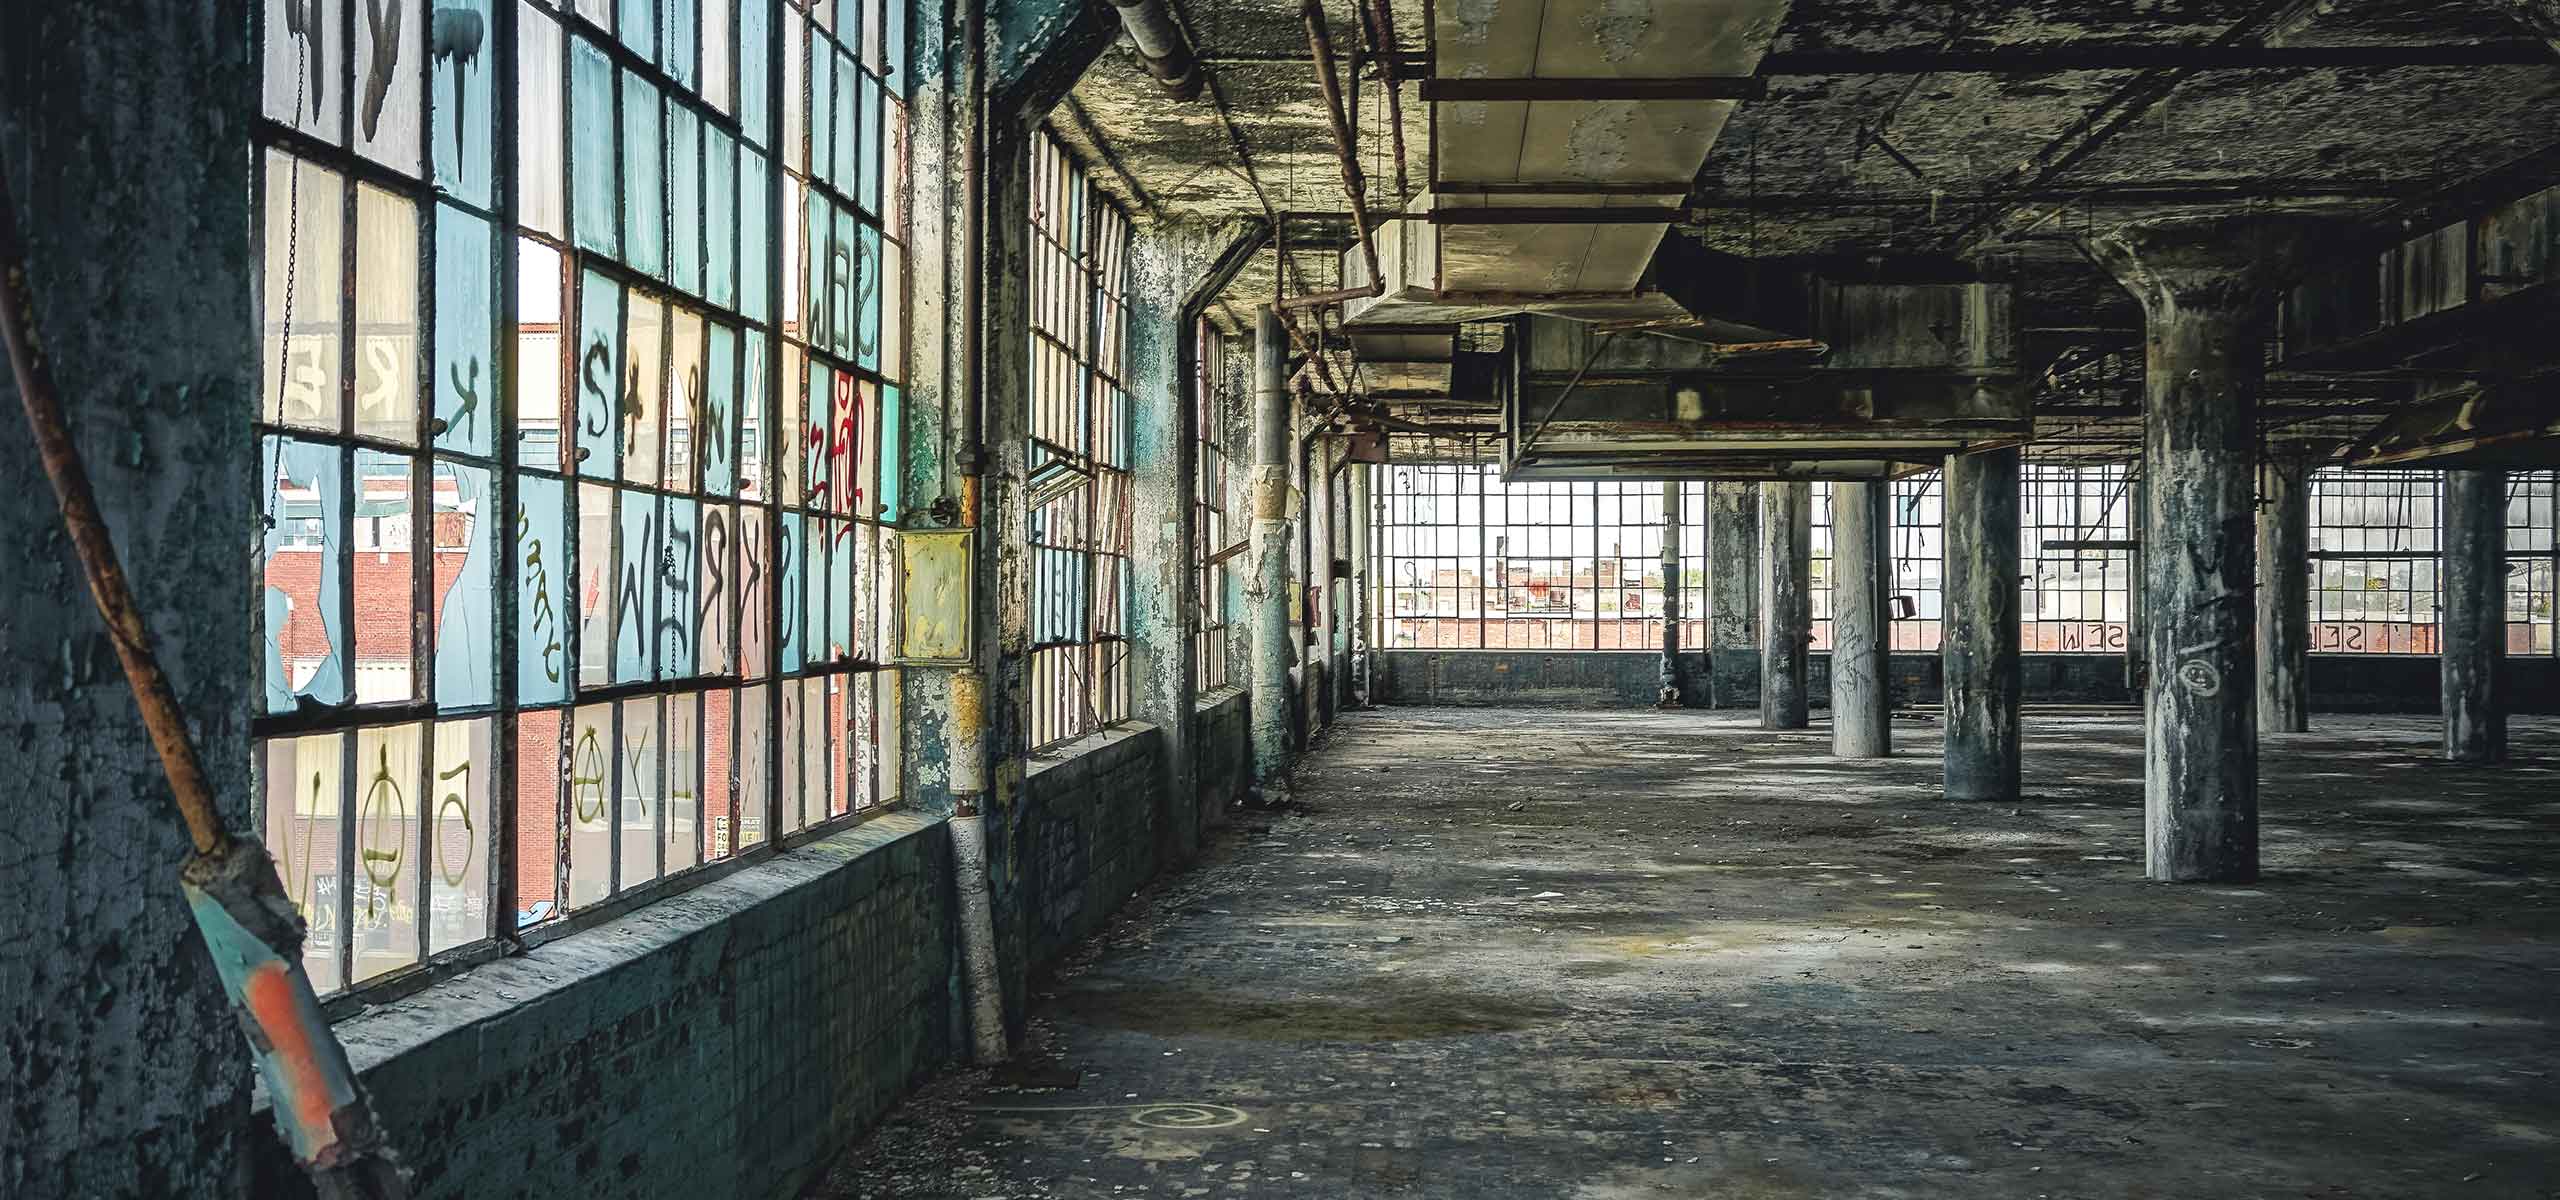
[
  {"x": 500, "y": 865},
  {"x": 1081, "y": 486}
]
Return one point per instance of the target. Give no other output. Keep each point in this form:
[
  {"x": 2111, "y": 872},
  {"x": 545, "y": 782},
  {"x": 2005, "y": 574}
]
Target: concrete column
[
  {"x": 2284, "y": 595},
  {"x": 1786, "y": 603},
  {"x": 1861, "y": 699},
  {"x": 1266, "y": 597},
  {"x": 1670, "y": 667},
  {"x": 2206, "y": 288},
  {"x": 1979, "y": 650},
  {"x": 1733, "y": 594},
  {"x": 1173, "y": 265},
  {"x": 2475, "y": 615}
]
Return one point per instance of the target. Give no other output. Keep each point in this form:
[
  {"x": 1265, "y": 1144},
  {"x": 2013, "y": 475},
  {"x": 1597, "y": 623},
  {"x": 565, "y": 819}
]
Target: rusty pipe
[
  {"x": 251, "y": 931},
  {"x": 1162, "y": 46},
  {"x": 1382, "y": 46},
  {"x": 1329, "y": 80}
]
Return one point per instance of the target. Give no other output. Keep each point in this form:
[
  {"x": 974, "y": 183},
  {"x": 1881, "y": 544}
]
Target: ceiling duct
[{"x": 1565, "y": 134}]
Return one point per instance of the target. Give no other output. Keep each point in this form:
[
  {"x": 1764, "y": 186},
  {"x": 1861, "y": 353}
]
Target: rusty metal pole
[{"x": 249, "y": 925}]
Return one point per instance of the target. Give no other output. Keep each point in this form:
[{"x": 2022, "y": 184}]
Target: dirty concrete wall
[
  {"x": 724, "y": 1042},
  {"x": 1222, "y": 765},
  {"x": 124, "y": 139},
  {"x": 1601, "y": 679},
  {"x": 1089, "y": 820}
]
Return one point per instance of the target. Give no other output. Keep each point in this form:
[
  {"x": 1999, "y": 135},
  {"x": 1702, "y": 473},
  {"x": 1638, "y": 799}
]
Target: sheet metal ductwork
[{"x": 1473, "y": 245}]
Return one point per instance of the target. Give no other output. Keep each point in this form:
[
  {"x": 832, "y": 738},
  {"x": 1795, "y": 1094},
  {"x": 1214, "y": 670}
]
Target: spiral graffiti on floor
[{"x": 1170, "y": 1115}]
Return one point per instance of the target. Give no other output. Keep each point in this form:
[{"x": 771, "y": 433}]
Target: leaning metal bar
[{"x": 240, "y": 907}]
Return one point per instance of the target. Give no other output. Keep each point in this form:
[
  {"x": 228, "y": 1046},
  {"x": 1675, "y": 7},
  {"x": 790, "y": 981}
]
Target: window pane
[
  {"x": 540, "y": 779},
  {"x": 464, "y": 586},
  {"x": 385, "y": 884},
  {"x": 305, "y": 309},
  {"x": 466, "y": 379},
  {"x": 386, "y": 316},
  {"x": 304, "y": 795},
  {"x": 458, "y": 49},
  {"x": 304, "y": 593},
  {"x": 386, "y": 583},
  {"x": 388, "y": 70},
  {"x": 458, "y": 836},
  {"x": 541, "y": 572}
]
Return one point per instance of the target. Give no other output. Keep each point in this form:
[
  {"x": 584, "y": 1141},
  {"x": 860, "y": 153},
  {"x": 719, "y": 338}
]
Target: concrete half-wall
[
  {"x": 729, "y": 1040},
  {"x": 1599, "y": 678}
]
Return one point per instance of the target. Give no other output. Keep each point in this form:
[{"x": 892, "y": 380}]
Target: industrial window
[
  {"x": 1694, "y": 600},
  {"x": 1211, "y": 532},
  {"x": 2076, "y": 524},
  {"x": 1080, "y": 518},
  {"x": 1916, "y": 598},
  {"x": 2374, "y": 555},
  {"x": 1818, "y": 567},
  {"x": 1466, "y": 561},
  {"x": 2533, "y": 560},
  {"x": 537, "y": 629}
]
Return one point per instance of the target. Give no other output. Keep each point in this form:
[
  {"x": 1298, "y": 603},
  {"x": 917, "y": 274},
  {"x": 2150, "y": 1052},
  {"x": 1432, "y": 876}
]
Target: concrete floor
[{"x": 1632, "y": 954}]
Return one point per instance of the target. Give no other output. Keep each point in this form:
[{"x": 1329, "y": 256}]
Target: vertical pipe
[
  {"x": 1361, "y": 601},
  {"x": 1268, "y": 593},
  {"x": 2284, "y": 595},
  {"x": 1670, "y": 595},
  {"x": 1979, "y": 653},
  {"x": 1861, "y": 701},
  {"x": 1733, "y": 590},
  {"x": 981, "y": 984},
  {"x": 2138, "y": 603},
  {"x": 1786, "y": 603},
  {"x": 2474, "y": 650}
]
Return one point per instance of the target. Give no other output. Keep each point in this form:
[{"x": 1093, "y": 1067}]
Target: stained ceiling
[{"x": 1992, "y": 133}]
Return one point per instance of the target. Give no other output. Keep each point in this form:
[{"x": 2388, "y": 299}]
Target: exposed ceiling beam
[
  {"x": 2044, "y": 58},
  {"x": 1695, "y": 87}
]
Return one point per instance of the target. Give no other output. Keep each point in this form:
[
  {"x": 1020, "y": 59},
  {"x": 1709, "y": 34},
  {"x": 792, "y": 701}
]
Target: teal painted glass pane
[
  {"x": 599, "y": 373},
  {"x": 684, "y": 174},
  {"x": 591, "y": 168},
  {"x": 684, "y": 31},
  {"x": 867, "y": 299},
  {"x": 636, "y": 561},
  {"x": 1058, "y": 596},
  {"x": 679, "y": 631},
  {"x": 302, "y": 591},
  {"x": 867, "y": 191},
  {"x": 465, "y": 548},
  {"x": 893, "y": 39},
  {"x": 813, "y": 596},
  {"x": 844, "y": 127},
  {"x": 821, "y": 146},
  {"x": 718, "y": 427},
  {"x": 755, "y": 235},
  {"x": 892, "y": 450},
  {"x": 638, "y": 23},
  {"x": 840, "y": 566},
  {"x": 787, "y": 560},
  {"x": 824, "y": 276},
  {"x": 541, "y": 530},
  {"x": 755, "y": 46},
  {"x": 644, "y": 197},
  {"x": 720, "y": 217},
  {"x": 461, "y": 49},
  {"x": 466, "y": 370}
]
